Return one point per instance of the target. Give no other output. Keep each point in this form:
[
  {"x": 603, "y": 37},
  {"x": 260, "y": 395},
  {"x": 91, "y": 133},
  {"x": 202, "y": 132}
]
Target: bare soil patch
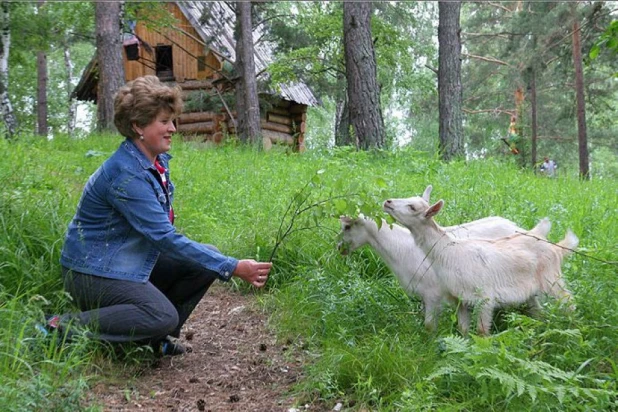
[{"x": 236, "y": 365}]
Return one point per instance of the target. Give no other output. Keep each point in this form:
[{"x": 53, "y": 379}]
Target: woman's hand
[{"x": 253, "y": 272}]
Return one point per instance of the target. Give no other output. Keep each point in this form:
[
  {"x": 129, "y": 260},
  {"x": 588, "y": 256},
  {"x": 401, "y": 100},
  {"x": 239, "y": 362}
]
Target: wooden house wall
[
  {"x": 283, "y": 124},
  {"x": 186, "y": 50}
]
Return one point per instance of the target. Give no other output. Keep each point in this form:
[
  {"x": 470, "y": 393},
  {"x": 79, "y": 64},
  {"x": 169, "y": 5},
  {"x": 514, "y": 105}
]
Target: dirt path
[{"x": 236, "y": 365}]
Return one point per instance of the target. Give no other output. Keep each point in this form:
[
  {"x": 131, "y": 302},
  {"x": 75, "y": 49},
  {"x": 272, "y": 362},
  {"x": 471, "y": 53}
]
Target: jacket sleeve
[{"x": 135, "y": 198}]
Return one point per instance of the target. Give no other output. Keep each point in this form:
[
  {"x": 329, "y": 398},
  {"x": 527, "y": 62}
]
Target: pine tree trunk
[
  {"x": 5, "y": 43},
  {"x": 249, "y": 128},
  {"x": 449, "y": 81},
  {"x": 361, "y": 72},
  {"x": 533, "y": 109},
  {"x": 343, "y": 137},
  {"x": 584, "y": 171},
  {"x": 72, "y": 104},
  {"x": 109, "y": 59}
]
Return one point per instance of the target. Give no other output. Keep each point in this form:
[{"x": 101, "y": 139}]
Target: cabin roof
[{"x": 220, "y": 38}]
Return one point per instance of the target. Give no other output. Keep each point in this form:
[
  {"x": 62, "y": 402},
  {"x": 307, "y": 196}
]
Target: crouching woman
[{"x": 133, "y": 276}]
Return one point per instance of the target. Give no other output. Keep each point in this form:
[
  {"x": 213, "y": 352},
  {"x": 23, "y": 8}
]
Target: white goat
[
  {"x": 407, "y": 261},
  {"x": 504, "y": 271}
]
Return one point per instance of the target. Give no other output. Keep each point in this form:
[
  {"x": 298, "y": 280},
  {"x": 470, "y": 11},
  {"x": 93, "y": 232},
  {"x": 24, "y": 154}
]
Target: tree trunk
[
  {"x": 343, "y": 137},
  {"x": 361, "y": 72},
  {"x": 249, "y": 128},
  {"x": 584, "y": 171},
  {"x": 41, "y": 101},
  {"x": 109, "y": 59},
  {"x": 533, "y": 110},
  {"x": 72, "y": 104},
  {"x": 449, "y": 81},
  {"x": 5, "y": 43}
]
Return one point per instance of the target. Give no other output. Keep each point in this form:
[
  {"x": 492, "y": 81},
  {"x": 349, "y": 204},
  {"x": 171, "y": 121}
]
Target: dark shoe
[{"x": 171, "y": 347}]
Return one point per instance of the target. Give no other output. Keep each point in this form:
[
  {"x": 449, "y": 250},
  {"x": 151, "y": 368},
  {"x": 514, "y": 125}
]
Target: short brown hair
[{"x": 141, "y": 100}]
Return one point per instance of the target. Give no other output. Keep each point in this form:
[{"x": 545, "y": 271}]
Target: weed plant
[{"x": 365, "y": 341}]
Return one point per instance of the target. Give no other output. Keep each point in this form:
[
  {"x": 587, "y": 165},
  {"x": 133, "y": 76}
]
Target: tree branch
[
  {"x": 486, "y": 59},
  {"x": 497, "y": 110},
  {"x": 432, "y": 69}
]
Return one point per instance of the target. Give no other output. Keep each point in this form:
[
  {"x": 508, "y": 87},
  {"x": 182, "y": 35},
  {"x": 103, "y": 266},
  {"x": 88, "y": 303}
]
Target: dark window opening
[
  {"x": 132, "y": 51},
  {"x": 164, "y": 62},
  {"x": 201, "y": 63}
]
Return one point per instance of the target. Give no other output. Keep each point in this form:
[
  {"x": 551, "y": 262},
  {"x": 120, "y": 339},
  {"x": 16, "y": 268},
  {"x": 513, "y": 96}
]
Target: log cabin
[{"x": 197, "y": 53}]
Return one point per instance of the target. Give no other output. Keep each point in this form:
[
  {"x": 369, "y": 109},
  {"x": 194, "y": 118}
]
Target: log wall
[{"x": 283, "y": 124}]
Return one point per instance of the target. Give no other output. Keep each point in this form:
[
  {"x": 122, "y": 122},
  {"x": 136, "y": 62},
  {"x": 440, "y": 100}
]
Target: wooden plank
[
  {"x": 302, "y": 127},
  {"x": 196, "y": 117},
  {"x": 278, "y": 137},
  {"x": 279, "y": 110},
  {"x": 275, "y": 118},
  {"x": 196, "y": 85},
  {"x": 276, "y": 127},
  {"x": 298, "y": 108},
  {"x": 301, "y": 117},
  {"x": 202, "y": 127}
]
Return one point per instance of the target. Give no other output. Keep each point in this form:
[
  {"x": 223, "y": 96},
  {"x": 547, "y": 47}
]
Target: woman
[{"x": 133, "y": 276}]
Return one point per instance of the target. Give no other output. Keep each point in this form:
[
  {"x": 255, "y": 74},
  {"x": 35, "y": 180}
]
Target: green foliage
[
  {"x": 364, "y": 338},
  {"x": 608, "y": 40},
  {"x": 51, "y": 29}
]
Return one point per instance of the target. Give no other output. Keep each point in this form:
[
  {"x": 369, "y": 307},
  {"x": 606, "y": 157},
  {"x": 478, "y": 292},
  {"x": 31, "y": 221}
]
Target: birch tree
[
  {"x": 5, "y": 43},
  {"x": 41, "y": 101}
]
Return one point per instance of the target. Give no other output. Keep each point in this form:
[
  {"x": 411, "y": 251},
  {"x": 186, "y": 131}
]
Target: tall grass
[{"x": 364, "y": 337}]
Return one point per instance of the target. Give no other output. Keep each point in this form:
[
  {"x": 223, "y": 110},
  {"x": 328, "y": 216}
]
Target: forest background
[
  {"x": 508, "y": 51},
  {"x": 364, "y": 337}
]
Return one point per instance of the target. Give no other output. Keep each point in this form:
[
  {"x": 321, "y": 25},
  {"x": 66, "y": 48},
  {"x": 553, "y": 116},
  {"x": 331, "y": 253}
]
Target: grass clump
[{"x": 364, "y": 337}]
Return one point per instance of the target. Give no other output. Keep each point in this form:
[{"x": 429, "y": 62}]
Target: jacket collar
[{"x": 144, "y": 162}]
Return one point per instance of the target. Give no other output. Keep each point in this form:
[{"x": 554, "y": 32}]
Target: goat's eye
[
  {"x": 346, "y": 228},
  {"x": 412, "y": 208}
]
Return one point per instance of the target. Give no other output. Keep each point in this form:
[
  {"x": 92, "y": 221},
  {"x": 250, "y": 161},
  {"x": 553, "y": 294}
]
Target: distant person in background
[
  {"x": 549, "y": 167},
  {"x": 133, "y": 276}
]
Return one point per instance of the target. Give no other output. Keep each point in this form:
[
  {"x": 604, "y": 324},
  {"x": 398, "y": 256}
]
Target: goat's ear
[
  {"x": 434, "y": 209},
  {"x": 345, "y": 219},
  {"x": 427, "y": 193}
]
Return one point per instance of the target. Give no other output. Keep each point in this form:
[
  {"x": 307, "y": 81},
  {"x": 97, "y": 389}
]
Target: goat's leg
[
  {"x": 534, "y": 307},
  {"x": 432, "y": 313},
  {"x": 463, "y": 318},
  {"x": 485, "y": 319}
]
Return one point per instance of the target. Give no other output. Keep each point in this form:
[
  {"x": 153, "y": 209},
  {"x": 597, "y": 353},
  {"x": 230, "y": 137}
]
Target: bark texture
[
  {"x": 584, "y": 170},
  {"x": 109, "y": 59},
  {"x": 8, "y": 115},
  {"x": 248, "y": 109},
  {"x": 361, "y": 72},
  {"x": 534, "y": 121},
  {"x": 343, "y": 137},
  {"x": 449, "y": 81},
  {"x": 72, "y": 104}
]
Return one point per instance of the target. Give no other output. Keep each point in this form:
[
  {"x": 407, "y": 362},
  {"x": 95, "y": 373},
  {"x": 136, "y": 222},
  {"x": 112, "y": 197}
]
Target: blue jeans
[{"x": 125, "y": 311}]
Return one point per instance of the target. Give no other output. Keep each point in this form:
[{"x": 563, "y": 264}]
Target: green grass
[{"x": 364, "y": 337}]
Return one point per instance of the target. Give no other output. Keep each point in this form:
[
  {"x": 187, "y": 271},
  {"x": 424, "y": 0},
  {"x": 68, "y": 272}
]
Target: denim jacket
[{"x": 122, "y": 223}]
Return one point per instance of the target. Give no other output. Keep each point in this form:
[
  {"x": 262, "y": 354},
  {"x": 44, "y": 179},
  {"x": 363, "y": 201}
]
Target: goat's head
[
  {"x": 412, "y": 211},
  {"x": 352, "y": 236}
]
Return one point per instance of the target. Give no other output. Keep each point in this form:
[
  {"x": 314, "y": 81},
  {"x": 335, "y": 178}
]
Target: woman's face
[{"x": 157, "y": 135}]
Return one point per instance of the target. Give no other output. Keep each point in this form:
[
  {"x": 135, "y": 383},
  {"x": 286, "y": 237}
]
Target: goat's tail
[
  {"x": 568, "y": 244},
  {"x": 542, "y": 228}
]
